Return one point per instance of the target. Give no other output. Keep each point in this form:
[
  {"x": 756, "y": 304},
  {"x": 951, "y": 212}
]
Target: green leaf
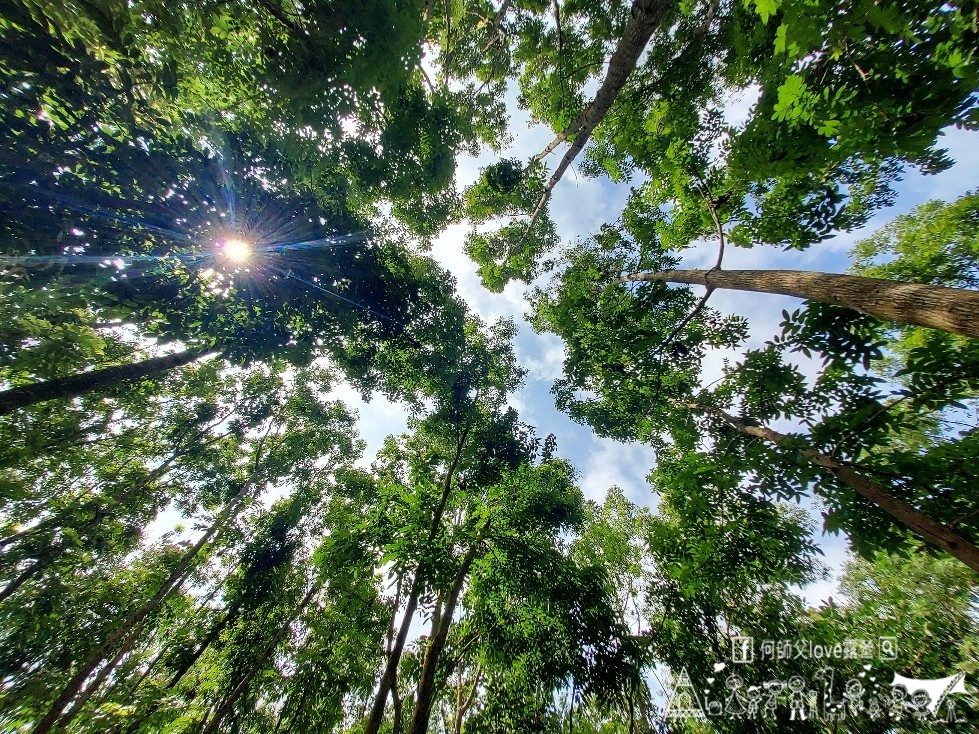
[{"x": 767, "y": 8}]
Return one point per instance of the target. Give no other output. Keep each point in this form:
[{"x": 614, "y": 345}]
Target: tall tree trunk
[
  {"x": 901, "y": 511},
  {"x": 208, "y": 641},
  {"x": 441, "y": 624},
  {"x": 574, "y": 690},
  {"x": 99, "y": 679},
  {"x": 934, "y": 306},
  {"x": 229, "y": 701},
  {"x": 394, "y": 658},
  {"x": 462, "y": 707},
  {"x": 138, "y": 616},
  {"x": 25, "y": 575},
  {"x": 396, "y": 703},
  {"x": 389, "y": 678},
  {"x": 644, "y": 18},
  {"x": 398, "y": 723},
  {"x": 82, "y": 382}
]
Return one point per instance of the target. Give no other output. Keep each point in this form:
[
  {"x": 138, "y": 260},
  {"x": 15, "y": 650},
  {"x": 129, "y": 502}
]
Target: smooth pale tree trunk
[
  {"x": 949, "y": 309},
  {"x": 389, "y": 677},
  {"x": 905, "y": 514},
  {"x": 80, "y": 383},
  {"x": 137, "y": 617},
  {"x": 644, "y": 18},
  {"x": 442, "y": 622},
  {"x": 229, "y": 701}
]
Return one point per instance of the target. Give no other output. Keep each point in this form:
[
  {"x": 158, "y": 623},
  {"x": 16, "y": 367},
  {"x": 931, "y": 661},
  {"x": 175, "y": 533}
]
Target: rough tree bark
[
  {"x": 78, "y": 384},
  {"x": 948, "y": 309}
]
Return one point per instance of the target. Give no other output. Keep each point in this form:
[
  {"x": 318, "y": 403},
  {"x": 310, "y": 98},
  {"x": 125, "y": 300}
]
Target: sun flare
[{"x": 236, "y": 250}]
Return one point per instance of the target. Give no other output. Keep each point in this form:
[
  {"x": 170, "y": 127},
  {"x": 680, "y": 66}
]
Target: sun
[{"x": 236, "y": 250}]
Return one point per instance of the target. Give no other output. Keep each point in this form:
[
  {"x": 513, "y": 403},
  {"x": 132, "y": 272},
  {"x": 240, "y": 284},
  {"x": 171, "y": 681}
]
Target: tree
[
  {"x": 342, "y": 97},
  {"x": 930, "y": 598},
  {"x": 472, "y": 502},
  {"x": 512, "y": 251},
  {"x": 293, "y": 436},
  {"x": 936, "y": 307},
  {"x": 487, "y": 371},
  {"x": 819, "y": 150},
  {"x": 641, "y": 376},
  {"x": 724, "y": 562},
  {"x": 311, "y": 287}
]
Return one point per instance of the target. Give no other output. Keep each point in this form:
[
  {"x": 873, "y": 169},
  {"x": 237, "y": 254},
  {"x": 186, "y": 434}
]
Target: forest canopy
[{"x": 227, "y": 224}]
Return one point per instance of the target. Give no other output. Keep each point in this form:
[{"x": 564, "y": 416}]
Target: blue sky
[{"x": 579, "y": 207}]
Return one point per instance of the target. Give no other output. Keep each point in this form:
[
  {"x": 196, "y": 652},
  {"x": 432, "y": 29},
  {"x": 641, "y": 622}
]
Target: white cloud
[
  {"x": 579, "y": 207},
  {"x": 377, "y": 419},
  {"x": 541, "y": 354},
  {"x": 612, "y": 463}
]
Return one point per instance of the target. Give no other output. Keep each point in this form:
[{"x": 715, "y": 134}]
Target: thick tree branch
[
  {"x": 644, "y": 18},
  {"x": 904, "y": 513},
  {"x": 74, "y": 385},
  {"x": 937, "y": 307}
]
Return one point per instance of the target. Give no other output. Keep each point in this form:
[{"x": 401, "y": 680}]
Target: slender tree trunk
[
  {"x": 644, "y": 18},
  {"x": 462, "y": 710},
  {"x": 208, "y": 641},
  {"x": 80, "y": 383},
  {"x": 396, "y": 704},
  {"x": 574, "y": 690},
  {"x": 136, "y": 618},
  {"x": 99, "y": 679},
  {"x": 426, "y": 683},
  {"x": 949, "y": 309},
  {"x": 902, "y": 512},
  {"x": 236, "y": 692},
  {"x": 394, "y": 658},
  {"x": 25, "y": 575},
  {"x": 389, "y": 678}
]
